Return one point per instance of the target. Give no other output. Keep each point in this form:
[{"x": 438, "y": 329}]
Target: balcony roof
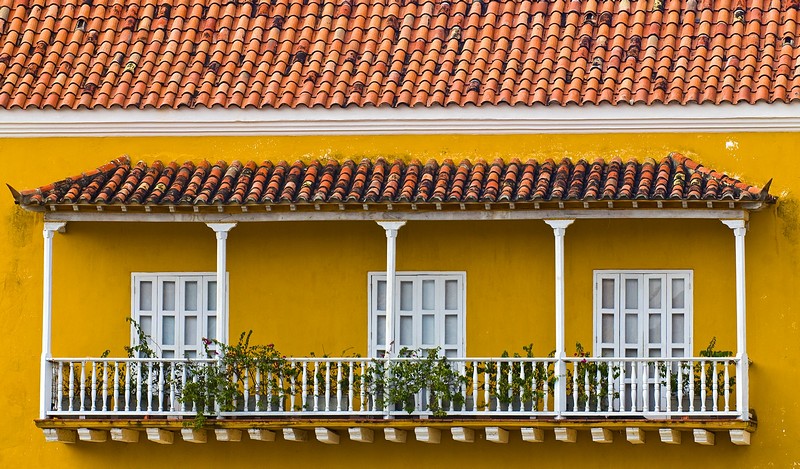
[{"x": 381, "y": 186}]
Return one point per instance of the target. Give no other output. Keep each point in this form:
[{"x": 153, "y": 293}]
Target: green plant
[
  {"x": 697, "y": 374},
  {"x": 521, "y": 381},
  {"x": 590, "y": 381},
  {"x": 429, "y": 373},
  {"x": 218, "y": 385}
]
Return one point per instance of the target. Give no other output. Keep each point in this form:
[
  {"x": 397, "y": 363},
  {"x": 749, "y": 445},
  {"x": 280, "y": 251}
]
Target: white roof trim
[
  {"x": 472, "y": 215},
  {"x": 760, "y": 117}
]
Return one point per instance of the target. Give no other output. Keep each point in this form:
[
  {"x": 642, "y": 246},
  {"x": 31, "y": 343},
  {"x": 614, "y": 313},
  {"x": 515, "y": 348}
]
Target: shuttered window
[
  {"x": 643, "y": 314},
  {"x": 176, "y": 311},
  {"x": 429, "y": 312}
]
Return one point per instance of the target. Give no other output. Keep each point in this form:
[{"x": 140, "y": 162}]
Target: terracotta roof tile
[
  {"x": 78, "y": 54},
  {"x": 674, "y": 177}
]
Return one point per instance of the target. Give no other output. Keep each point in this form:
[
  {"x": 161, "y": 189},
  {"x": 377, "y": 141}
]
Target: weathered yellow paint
[{"x": 303, "y": 287}]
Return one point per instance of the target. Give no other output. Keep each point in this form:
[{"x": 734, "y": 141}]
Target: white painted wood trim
[
  {"x": 428, "y": 435},
  {"x": 391, "y": 228},
  {"x": 125, "y": 435},
  {"x": 395, "y": 435},
  {"x": 635, "y": 435},
  {"x": 295, "y": 434},
  {"x": 463, "y": 434},
  {"x": 161, "y": 436},
  {"x": 93, "y": 436},
  {"x": 532, "y": 435},
  {"x": 261, "y": 434},
  {"x": 326, "y": 435},
  {"x": 221, "y": 230},
  {"x": 361, "y": 434},
  {"x": 50, "y": 228},
  {"x": 60, "y": 435},
  {"x": 480, "y": 120},
  {"x": 602, "y": 435},
  {"x": 739, "y": 228},
  {"x": 740, "y": 437},
  {"x": 228, "y": 434},
  {"x": 703, "y": 437},
  {"x": 194, "y": 435},
  {"x": 496, "y": 435},
  {"x": 670, "y": 436},
  {"x": 90, "y": 214},
  {"x": 567, "y": 435},
  {"x": 559, "y": 231}
]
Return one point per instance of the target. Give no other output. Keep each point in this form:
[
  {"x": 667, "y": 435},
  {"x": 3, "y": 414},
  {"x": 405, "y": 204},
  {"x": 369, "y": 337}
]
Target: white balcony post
[
  {"x": 559, "y": 230},
  {"x": 45, "y": 397},
  {"x": 391, "y": 228},
  {"x": 221, "y": 230},
  {"x": 739, "y": 228}
]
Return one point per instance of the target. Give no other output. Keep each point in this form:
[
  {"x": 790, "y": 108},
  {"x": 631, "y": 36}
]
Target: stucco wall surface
[{"x": 303, "y": 287}]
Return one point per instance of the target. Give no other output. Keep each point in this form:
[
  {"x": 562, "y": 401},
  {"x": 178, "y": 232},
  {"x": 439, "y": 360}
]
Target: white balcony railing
[{"x": 478, "y": 387}]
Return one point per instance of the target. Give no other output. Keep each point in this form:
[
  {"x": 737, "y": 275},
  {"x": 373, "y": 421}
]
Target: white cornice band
[{"x": 761, "y": 117}]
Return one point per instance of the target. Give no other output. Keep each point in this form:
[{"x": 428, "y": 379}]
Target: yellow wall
[{"x": 303, "y": 286}]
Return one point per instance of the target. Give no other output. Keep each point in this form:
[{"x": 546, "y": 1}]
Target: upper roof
[
  {"x": 673, "y": 180},
  {"x": 269, "y": 54}
]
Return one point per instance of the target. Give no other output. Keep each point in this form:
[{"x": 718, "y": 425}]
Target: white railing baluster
[
  {"x": 362, "y": 386},
  {"x": 546, "y": 389},
  {"x": 679, "y": 391},
  {"x": 281, "y": 392},
  {"x": 622, "y": 378},
  {"x": 316, "y": 386},
  {"x": 634, "y": 386},
  {"x": 172, "y": 385},
  {"x": 691, "y": 386},
  {"x": 268, "y": 390},
  {"x": 703, "y": 386},
  {"x": 139, "y": 386},
  {"x": 150, "y": 383},
  {"x": 293, "y": 393},
  {"x": 327, "y": 387},
  {"x": 104, "y": 406},
  {"x": 161, "y": 379},
  {"x": 475, "y": 385},
  {"x": 246, "y": 391},
  {"x": 727, "y": 386},
  {"x": 656, "y": 387},
  {"x": 715, "y": 385},
  {"x": 610, "y": 384},
  {"x": 350, "y": 384},
  {"x": 645, "y": 387},
  {"x": 116, "y": 386},
  {"x": 487, "y": 382},
  {"x": 83, "y": 386},
  {"x": 184, "y": 378},
  {"x": 60, "y": 386},
  {"x": 575, "y": 389},
  {"x": 126, "y": 405},
  {"x": 70, "y": 405},
  {"x": 304, "y": 391},
  {"x": 338, "y": 386},
  {"x": 258, "y": 390},
  {"x": 587, "y": 390}
]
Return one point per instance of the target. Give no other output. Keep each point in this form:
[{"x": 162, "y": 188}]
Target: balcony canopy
[{"x": 381, "y": 189}]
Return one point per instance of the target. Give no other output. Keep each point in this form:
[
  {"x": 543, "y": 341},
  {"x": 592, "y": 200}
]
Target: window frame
[
  {"x": 666, "y": 332},
  {"x": 374, "y": 276},
  {"x": 156, "y": 326}
]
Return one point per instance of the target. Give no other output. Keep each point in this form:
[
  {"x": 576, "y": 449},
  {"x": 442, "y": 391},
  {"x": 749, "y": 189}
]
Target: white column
[
  {"x": 45, "y": 388},
  {"x": 221, "y": 230},
  {"x": 559, "y": 230},
  {"x": 739, "y": 228},
  {"x": 391, "y": 228}
]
